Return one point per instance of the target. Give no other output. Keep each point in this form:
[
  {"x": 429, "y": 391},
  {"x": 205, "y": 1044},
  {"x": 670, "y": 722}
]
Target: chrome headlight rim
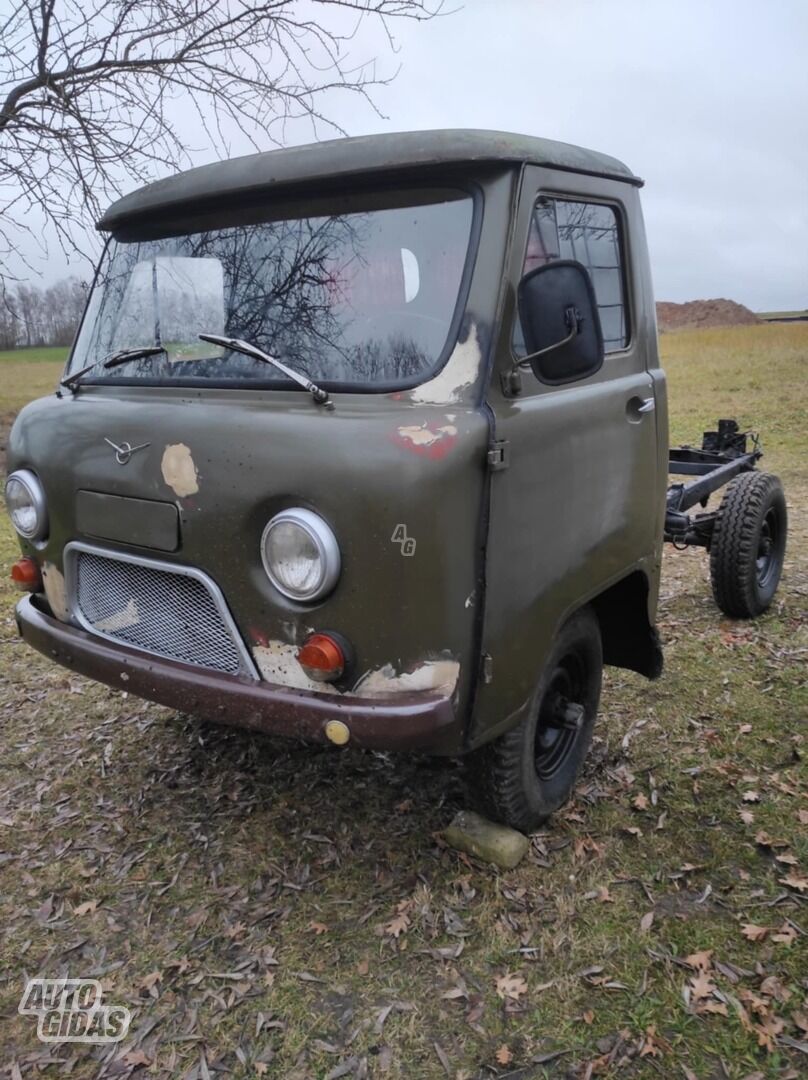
[
  {"x": 322, "y": 535},
  {"x": 36, "y": 492}
]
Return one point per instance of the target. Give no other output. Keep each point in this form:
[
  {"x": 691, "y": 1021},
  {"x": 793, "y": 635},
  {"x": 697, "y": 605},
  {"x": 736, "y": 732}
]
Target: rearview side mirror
[{"x": 560, "y": 322}]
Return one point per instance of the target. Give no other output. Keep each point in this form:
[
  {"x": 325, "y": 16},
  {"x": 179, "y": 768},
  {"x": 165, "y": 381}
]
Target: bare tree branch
[{"x": 89, "y": 90}]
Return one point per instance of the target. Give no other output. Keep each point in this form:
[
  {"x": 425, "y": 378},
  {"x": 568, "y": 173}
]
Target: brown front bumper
[{"x": 412, "y": 721}]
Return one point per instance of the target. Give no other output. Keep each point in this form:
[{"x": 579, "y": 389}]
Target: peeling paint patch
[
  {"x": 128, "y": 616},
  {"x": 438, "y": 675},
  {"x": 461, "y": 370},
  {"x": 430, "y": 442},
  {"x": 54, "y": 582},
  {"x": 277, "y": 662},
  {"x": 179, "y": 471}
]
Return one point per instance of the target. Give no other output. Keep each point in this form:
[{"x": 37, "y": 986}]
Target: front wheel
[
  {"x": 748, "y": 545},
  {"x": 522, "y": 777}
]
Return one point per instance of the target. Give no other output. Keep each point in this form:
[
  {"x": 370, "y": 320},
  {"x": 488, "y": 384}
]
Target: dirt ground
[{"x": 269, "y": 910}]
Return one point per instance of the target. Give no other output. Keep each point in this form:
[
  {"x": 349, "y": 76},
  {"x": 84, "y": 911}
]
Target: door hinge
[
  {"x": 487, "y": 668},
  {"x": 499, "y": 456}
]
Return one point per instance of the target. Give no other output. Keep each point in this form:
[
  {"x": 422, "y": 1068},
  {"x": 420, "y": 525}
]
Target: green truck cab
[{"x": 364, "y": 441}]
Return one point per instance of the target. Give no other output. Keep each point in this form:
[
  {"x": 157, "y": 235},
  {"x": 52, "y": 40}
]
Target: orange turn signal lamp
[
  {"x": 322, "y": 658},
  {"x": 26, "y": 575}
]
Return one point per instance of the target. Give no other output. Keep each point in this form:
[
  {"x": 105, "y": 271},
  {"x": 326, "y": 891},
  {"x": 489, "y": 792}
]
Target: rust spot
[
  {"x": 437, "y": 675},
  {"x": 179, "y": 471},
  {"x": 277, "y": 662},
  {"x": 460, "y": 372},
  {"x": 54, "y": 584},
  {"x": 428, "y": 441}
]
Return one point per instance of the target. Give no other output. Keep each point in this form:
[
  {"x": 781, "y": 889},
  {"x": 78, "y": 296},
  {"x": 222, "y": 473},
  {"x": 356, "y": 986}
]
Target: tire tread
[
  {"x": 494, "y": 770},
  {"x": 733, "y": 547}
]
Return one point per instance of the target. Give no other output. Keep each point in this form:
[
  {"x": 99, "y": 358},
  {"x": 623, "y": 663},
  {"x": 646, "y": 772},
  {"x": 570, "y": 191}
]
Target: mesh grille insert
[{"x": 163, "y": 612}]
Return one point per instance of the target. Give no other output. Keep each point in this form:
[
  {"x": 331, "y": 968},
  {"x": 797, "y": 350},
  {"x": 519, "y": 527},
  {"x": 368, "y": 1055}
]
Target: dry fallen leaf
[
  {"x": 746, "y": 816},
  {"x": 773, "y": 987},
  {"x": 640, "y": 802},
  {"x": 510, "y": 986},
  {"x": 702, "y": 985},
  {"x": 318, "y": 928},
  {"x": 767, "y": 1031},
  {"x": 653, "y": 1044},
  {"x": 700, "y": 960},
  {"x": 136, "y": 1058},
  {"x": 763, "y": 838},
  {"x": 795, "y": 881},
  {"x": 716, "y": 1007},
  {"x": 646, "y": 922},
  {"x": 398, "y": 925},
  {"x": 753, "y": 932},
  {"x": 751, "y": 796},
  {"x": 504, "y": 1055},
  {"x": 787, "y": 859},
  {"x": 786, "y": 934},
  {"x": 87, "y": 908},
  {"x": 800, "y": 1019}
]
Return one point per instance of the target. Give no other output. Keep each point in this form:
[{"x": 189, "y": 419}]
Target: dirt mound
[{"x": 702, "y": 313}]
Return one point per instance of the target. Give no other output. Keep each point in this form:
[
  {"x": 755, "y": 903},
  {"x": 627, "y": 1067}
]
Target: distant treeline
[{"x": 34, "y": 316}]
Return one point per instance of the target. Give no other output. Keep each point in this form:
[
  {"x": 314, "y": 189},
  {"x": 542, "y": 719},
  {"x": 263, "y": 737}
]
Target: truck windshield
[{"x": 363, "y": 297}]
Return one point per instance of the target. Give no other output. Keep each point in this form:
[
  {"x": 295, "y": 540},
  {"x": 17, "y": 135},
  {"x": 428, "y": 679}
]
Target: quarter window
[{"x": 590, "y": 234}]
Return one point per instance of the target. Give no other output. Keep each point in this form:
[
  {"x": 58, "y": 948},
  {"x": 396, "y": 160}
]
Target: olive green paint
[{"x": 501, "y": 556}]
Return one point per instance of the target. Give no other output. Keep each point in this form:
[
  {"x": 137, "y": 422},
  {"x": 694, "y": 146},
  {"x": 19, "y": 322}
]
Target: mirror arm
[{"x": 574, "y": 320}]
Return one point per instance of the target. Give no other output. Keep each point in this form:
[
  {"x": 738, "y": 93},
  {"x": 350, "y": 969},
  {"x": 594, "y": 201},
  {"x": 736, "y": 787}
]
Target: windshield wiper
[
  {"x": 71, "y": 382},
  {"x": 126, "y": 355},
  {"x": 122, "y": 357},
  {"x": 237, "y": 345}
]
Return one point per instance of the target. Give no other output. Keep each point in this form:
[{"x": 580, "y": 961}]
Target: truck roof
[{"x": 350, "y": 157}]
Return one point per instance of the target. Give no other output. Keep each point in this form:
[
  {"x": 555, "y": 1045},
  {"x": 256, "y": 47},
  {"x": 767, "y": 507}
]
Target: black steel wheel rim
[
  {"x": 768, "y": 552},
  {"x": 563, "y": 698}
]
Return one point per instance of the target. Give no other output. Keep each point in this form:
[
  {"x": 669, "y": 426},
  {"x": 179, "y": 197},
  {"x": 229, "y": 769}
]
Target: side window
[{"x": 590, "y": 234}]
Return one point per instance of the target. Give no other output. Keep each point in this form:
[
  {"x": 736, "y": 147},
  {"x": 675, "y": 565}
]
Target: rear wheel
[
  {"x": 748, "y": 545},
  {"x": 522, "y": 777}
]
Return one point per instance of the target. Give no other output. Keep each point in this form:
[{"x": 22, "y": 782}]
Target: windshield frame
[{"x": 360, "y": 194}]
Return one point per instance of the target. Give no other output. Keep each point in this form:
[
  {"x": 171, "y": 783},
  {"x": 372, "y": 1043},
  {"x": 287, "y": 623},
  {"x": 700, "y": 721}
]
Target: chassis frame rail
[{"x": 723, "y": 455}]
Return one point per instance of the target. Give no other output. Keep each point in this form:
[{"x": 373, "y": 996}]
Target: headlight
[
  {"x": 300, "y": 555},
  {"x": 25, "y": 501}
]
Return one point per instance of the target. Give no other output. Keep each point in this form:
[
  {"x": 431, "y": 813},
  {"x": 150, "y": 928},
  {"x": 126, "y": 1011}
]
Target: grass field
[{"x": 267, "y": 910}]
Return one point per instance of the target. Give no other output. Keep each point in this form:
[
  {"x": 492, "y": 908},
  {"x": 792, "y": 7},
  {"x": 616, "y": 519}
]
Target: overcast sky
[{"x": 705, "y": 99}]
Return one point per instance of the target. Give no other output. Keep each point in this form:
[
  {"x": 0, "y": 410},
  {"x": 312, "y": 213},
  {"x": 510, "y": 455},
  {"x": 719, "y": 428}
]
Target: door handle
[{"x": 637, "y": 406}]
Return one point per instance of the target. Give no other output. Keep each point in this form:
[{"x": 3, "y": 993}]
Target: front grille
[{"x": 171, "y": 612}]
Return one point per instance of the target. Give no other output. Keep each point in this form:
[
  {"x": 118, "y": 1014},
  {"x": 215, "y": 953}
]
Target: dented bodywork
[{"x": 454, "y": 574}]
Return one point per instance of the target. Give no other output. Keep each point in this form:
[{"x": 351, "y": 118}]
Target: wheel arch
[{"x": 629, "y": 639}]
